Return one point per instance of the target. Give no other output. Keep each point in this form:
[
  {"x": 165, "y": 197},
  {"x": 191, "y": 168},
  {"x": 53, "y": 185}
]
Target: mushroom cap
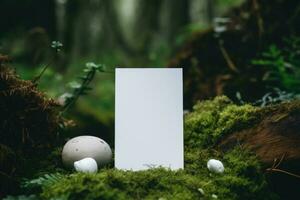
[
  {"x": 86, "y": 147},
  {"x": 86, "y": 165}
]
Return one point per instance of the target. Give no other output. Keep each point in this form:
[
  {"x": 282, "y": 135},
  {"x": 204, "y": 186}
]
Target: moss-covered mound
[
  {"x": 28, "y": 126},
  {"x": 28, "y": 119},
  {"x": 242, "y": 180},
  {"x": 210, "y": 121}
]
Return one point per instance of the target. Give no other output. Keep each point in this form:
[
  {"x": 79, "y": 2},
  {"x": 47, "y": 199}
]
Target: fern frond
[{"x": 42, "y": 181}]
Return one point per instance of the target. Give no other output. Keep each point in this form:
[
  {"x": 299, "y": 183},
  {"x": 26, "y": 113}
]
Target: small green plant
[
  {"x": 81, "y": 88},
  {"x": 282, "y": 65},
  {"x": 56, "y": 45}
]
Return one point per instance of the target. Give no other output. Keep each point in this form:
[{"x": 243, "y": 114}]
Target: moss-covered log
[{"x": 276, "y": 142}]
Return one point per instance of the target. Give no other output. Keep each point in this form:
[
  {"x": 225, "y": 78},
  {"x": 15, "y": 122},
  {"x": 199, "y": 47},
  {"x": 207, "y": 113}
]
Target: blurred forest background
[
  {"x": 247, "y": 50},
  {"x": 131, "y": 33}
]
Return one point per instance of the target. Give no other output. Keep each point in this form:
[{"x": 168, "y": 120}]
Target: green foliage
[
  {"x": 42, "y": 181},
  {"x": 283, "y": 65},
  {"x": 82, "y": 88},
  {"x": 213, "y": 119}
]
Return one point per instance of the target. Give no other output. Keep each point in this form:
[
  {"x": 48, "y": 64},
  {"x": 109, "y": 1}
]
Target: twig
[
  {"x": 285, "y": 172},
  {"x": 37, "y": 78},
  {"x": 275, "y": 166},
  {"x": 227, "y": 58}
]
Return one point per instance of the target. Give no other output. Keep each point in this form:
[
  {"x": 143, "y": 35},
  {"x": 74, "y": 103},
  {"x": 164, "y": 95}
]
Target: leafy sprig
[
  {"x": 81, "y": 88},
  {"x": 56, "y": 45}
]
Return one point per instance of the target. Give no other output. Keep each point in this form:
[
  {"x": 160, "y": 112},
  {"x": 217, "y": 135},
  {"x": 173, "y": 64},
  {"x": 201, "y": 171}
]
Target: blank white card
[{"x": 148, "y": 118}]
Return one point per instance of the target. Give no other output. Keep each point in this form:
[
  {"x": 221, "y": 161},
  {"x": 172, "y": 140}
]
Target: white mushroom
[{"x": 86, "y": 165}]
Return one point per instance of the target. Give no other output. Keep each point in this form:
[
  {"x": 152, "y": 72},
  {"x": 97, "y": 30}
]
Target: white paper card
[{"x": 148, "y": 118}]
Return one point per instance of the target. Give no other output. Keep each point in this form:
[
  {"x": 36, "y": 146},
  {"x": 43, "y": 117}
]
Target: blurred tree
[{"x": 176, "y": 17}]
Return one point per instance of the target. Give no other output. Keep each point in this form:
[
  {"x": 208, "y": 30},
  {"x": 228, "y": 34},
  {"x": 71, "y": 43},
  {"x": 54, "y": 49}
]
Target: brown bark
[{"x": 276, "y": 142}]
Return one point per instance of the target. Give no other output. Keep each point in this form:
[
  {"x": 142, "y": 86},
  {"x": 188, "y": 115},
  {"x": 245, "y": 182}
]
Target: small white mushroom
[
  {"x": 215, "y": 166},
  {"x": 86, "y": 165}
]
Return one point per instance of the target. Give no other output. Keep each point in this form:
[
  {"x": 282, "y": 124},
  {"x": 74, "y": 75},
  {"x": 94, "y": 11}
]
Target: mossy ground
[{"x": 243, "y": 177}]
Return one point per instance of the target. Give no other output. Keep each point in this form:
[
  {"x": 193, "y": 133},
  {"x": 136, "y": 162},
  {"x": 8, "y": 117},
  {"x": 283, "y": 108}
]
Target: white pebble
[
  {"x": 215, "y": 166},
  {"x": 86, "y": 165}
]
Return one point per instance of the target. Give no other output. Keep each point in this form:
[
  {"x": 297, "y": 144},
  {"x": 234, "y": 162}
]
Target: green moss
[
  {"x": 243, "y": 177},
  {"x": 212, "y": 119},
  {"x": 115, "y": 184}
]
